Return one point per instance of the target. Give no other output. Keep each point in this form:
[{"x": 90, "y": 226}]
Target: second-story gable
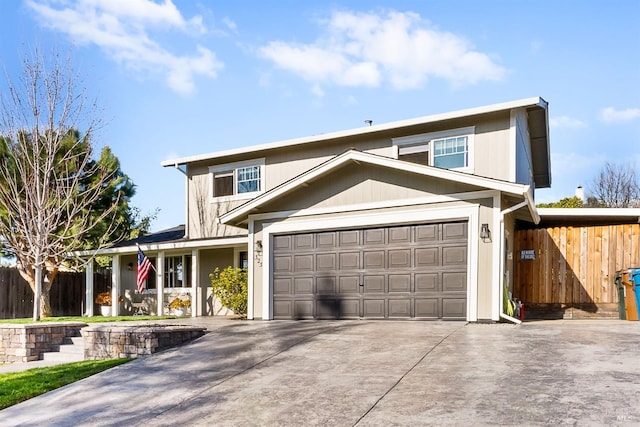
[{"x": 506, "y": 142}]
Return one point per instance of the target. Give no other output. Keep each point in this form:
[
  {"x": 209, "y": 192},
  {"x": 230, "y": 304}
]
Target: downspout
[{"x": 501, "y": 277}]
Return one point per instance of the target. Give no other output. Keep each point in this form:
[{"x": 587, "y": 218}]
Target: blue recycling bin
[{"x": 634, "y": 274}]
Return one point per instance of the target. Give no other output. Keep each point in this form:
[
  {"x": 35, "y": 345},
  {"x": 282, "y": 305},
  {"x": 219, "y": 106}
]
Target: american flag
[{"x": 144, "y": 265}]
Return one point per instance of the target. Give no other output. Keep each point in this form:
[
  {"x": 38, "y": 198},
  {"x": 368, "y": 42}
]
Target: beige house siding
[
  {"x": 491, "y": 148},
  {"x": 210, "y": 259},
  {"x": 202, "y": 212}
]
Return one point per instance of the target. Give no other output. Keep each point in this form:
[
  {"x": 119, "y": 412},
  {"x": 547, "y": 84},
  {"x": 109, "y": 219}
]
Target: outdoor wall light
[
  {"x": 258, "y": 247},
  {"x": 130, "y": 266},
  {"x": 485, "y": 233}
]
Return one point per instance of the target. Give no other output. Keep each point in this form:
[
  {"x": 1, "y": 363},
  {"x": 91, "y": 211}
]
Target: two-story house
[{"x": 412, "y": 219}]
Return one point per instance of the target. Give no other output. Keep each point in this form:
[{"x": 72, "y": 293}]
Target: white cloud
[
  {"x": 566, "y": 122},
  {"x": 367, "y": 49},
  {"x": 230, "y": 24},
  {"x": 611, "y": 115},
  {"x": 122, "y": 29}
]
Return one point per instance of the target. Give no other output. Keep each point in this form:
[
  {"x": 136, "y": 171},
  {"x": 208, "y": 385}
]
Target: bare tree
[
  {"x": 48, "y": 179},
  {"x": 615, "y": 186}
]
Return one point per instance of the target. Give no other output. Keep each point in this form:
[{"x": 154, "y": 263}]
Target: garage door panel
[
  {"x": 427, "y": 308},
  {"x": 375, "y": 236},
  {"x": 327, "y": 308},
  {"x": 398, "y": 235},
  {"x": 454, "y": 308},
  {"x": 282, "y": 242},
  {"x": 282, "y": 264},
  {"x": 400, "y": 308},
  {"x": 326, "y": 262},
  {"x": 283, "y": 286},
  {"x": 374, "y": 260},
  {"x": 302, "y": 263},
  {"x": 283, "y": 309},
  {"x": 349, "y": 238},
  {"x": 454, "y": 231},
  {"x": 303, "y": 241},
  {"x": 427, "y": 233},
  {"x": 426, "y": 282},
  {"x": 349, "y": 260},
  {"x": 373, "y": 283},
  {"x": 454, "y": 255},
  {"x": 303, "y": 285},
  {"x": 349, "y": 285},
  {"x": 374, "y": 308},
  {"x": 349, "y": 308},
  {"x": 326, "y": 285},
  {"x": 454, "y": 281},
  {"x": 400, "y": 258},
  {"x": 326, "y": 240},
  {"x": 303, "y": 309},
  {"x": 409, "y": 271},
  {"x": 427, "y": 257},
  {"x": 399, "y": 283}
]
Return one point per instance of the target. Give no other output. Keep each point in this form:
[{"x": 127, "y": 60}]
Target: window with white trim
[
  {"x": 237, "y": 180},
  {"x": 449, "y": 149}
]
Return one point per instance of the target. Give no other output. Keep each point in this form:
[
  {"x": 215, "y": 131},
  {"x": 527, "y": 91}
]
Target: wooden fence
[
  {"x": 67, "y": 293},
  {"x": 574, "y": 267}
]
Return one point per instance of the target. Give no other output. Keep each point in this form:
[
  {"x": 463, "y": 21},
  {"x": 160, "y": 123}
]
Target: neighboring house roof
[
  {"x": 538, "y": 132},
  {"x": 586, "y": 216},
  {"x": 239, "y": 214}
]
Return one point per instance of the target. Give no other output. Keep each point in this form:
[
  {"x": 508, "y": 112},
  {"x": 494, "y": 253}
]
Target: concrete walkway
[{"x": 365, "y": 373}]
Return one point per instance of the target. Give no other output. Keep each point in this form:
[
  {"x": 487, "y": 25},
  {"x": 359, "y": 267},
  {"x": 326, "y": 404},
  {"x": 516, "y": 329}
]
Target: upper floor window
[
  {"x": 237, "y": 180},
  {"x": 449, "y": 149}
]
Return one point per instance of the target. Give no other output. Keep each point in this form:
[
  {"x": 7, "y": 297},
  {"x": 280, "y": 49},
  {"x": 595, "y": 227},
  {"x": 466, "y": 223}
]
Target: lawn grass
[
  {"x": 93, "y": 319},
  {"x": 17, "y": 387}
]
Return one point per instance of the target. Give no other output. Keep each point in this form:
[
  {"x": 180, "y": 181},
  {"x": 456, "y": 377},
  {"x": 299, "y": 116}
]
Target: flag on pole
[{"x": 144, "y": 265}]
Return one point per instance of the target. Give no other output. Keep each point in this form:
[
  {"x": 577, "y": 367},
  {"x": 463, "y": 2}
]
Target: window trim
[
  {"x": 424, "y": 142},
  {"x": 234, "y": 167}
]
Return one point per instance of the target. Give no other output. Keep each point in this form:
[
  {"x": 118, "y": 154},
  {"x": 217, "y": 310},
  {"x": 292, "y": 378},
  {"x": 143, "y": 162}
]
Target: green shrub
[{"x": 230, "y": 287}]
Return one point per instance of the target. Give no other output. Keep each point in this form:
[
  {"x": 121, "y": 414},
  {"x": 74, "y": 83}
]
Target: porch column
[
  {"x": 88, "y": 289},
  {"x": 115, "y": 285},
  {"x": 195, "y": 268},
  {"x": 160, "y": 283}
]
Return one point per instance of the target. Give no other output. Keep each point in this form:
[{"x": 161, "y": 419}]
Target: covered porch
[{"x": 178, "y": 282}]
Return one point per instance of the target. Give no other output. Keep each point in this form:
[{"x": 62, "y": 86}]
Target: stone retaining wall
[
  {"x": 111, "y": 341},
  {"x": 26, "y": 343}
]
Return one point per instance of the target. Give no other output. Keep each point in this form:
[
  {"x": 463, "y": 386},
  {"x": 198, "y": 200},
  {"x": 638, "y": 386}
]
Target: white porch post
[
  {"x": 160, "y": 283},
  {"x": 88, "y": 289},
  {"x": 115, "y": 285},
  {"x": 195, "y": 269}
]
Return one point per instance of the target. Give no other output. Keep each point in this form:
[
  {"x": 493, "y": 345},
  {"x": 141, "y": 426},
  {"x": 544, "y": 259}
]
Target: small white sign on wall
[{"x": 528, "y": 254}]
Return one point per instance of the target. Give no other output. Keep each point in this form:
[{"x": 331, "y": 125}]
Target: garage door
[{"x": 399, "y": 272}]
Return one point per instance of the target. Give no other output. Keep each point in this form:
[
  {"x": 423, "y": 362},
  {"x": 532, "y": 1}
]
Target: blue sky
[{"x": 183, "y": 78}]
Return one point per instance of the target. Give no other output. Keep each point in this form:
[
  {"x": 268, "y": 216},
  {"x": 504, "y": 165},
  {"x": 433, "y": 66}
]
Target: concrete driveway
[{"x": 365, "y": 373}]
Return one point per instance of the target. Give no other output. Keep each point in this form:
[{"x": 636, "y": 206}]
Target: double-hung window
[
  {"x": 237, "y": 180},
  {"x": 448, "y": 149}
]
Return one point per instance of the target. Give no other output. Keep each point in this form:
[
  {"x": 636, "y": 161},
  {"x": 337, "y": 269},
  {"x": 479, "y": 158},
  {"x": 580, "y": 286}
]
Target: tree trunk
[
  {"x": 45, "y": 303},
  {"x": 48, "y": 277}
]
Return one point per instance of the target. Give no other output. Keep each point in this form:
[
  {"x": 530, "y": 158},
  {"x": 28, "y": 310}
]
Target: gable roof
[
  {"x": 239, "y": 214},
  {"x": 538, "y": 131}
]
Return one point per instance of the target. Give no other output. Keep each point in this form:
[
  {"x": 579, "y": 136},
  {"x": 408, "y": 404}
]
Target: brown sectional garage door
[{"x": 412, "y": 271}]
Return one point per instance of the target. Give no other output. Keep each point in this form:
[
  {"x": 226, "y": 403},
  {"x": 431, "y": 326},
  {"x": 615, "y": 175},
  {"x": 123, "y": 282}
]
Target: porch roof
[{"x": 171, "y": 238}]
